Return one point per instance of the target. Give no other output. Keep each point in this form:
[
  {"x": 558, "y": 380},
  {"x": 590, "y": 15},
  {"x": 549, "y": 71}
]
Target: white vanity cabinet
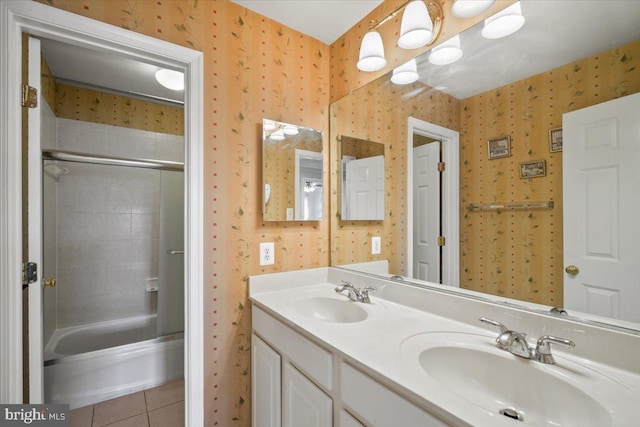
[{"x": 297, "y": 383}]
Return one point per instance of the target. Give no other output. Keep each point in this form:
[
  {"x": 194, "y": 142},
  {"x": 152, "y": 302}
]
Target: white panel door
[
  {"x": 601, "y": 174},
  {"x": 426, "y": 212},
  {"x": 36, "y": 350},
  {"x": 365, "y": 188},
  {"x": 304, "y": 403},
  {"x": 265, "y": 384}
]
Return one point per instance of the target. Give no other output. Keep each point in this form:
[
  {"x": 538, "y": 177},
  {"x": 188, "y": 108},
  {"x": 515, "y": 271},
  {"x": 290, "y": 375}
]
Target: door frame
[
  {"x": 40, "y": 20},
  {"x": 451, "y": 197},
  {"x": 300, "y": 154}
]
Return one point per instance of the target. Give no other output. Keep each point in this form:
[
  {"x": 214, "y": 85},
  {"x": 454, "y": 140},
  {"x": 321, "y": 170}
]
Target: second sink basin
[
  {"x": 330, "y": 309},
  {"x": 472, "y": 368}
]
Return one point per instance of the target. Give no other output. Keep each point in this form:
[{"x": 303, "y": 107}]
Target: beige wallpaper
[
  {"x": 379, "y": 113},
  {"x": 519, "y": 254},
  {"x": 254, "y": 68},
  {"x": 98, "y": 107}
]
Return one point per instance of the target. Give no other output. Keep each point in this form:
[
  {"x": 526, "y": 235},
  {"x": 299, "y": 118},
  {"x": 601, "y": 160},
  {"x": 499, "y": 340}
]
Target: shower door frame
[{"x": 17, "y": 17}]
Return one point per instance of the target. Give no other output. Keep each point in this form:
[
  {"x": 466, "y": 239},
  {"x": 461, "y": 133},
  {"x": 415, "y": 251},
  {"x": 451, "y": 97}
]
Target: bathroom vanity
[{"x": 420, "y": 357}]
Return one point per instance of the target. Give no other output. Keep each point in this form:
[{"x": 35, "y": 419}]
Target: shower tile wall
[{"x": 108, "y": 218}]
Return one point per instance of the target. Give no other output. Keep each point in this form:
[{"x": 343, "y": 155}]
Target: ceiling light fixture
[
  {"x": 268, "y": 125},
  {"x": 290, "y": 130},
  {"x": 470, "y": 8},
  {"x": 421, "y": 25},
  {"x": 503, "y": 23},
  {"x": 170, "y": 79},
  {"x": 405, "y": 74},
  {"x": 447, "y": 52}
]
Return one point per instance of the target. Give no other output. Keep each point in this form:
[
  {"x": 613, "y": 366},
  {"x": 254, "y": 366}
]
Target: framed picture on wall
[
  {"x": 534, "y": 169},
  {"x": 499, "y": 147},
  {"x": 555, "y": 140}
]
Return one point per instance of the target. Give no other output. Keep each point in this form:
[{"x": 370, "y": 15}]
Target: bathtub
[{"x": 89, "y": 364}]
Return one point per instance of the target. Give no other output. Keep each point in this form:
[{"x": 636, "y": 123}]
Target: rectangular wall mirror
[
  {"x": 362, "y": 182},
  {"x": 291, "y": 172}
]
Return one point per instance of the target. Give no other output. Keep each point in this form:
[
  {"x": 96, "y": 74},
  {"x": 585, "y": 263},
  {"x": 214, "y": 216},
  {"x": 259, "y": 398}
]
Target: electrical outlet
[
  {"x": 267, "y": 253},
  {"x": 376, "y": 245}
]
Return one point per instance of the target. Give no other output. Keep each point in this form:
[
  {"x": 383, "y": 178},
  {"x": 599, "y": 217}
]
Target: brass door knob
[
  {"x": 49, "y": 282},
  {"x": 572, "y": 270}
]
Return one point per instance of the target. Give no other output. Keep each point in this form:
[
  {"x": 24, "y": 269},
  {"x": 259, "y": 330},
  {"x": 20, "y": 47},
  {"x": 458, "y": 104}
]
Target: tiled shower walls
[{"x": 108, "y": 223}]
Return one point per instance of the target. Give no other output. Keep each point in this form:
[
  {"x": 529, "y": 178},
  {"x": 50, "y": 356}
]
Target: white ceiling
[
  {"x": 556, "y": 32},
  {"x": 325, "y": 20}
]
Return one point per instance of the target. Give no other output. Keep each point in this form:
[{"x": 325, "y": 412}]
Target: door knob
[
  {"x": 49, "y": 282},
  {"x": 572, "y": 270}
]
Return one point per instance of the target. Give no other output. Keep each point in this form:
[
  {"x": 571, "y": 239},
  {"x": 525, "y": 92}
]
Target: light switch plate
[
  {"x": 376, "y": 244},
  {"x": 267, "y": 253}
]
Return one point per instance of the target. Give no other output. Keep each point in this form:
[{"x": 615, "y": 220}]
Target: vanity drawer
[
  {"x": 307, "y": 356},
  {"x": 376, "y": 405}
]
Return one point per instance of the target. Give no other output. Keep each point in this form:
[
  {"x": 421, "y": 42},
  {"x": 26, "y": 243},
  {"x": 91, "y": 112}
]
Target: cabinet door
[
  {"x": 304, "y": 403},
  {"x": 265, "y": 384}
]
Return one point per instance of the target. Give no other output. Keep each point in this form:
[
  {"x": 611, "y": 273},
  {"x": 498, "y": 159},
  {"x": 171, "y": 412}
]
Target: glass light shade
[
  {"x": 446, "y": 53},
  {"x": 371, "y": 53},
  {"x": 290, "y": 130},
  {"x": 277, "y": 135},
  {"x": 470, "y": 8},
  {"x": 170, "y": 79},
  {"x": 416, "y": 28},
  {"x": 504, "y": 23},
  {"x": 268, "y": 125},
  {"x": 405, "y": 74}
]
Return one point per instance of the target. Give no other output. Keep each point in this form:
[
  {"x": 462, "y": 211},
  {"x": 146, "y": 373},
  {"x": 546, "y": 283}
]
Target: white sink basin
[
  {"x": 330, "y": 309},
  {"x": 566, "y": 394}
]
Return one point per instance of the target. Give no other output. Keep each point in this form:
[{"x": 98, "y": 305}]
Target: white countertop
[{"x": 380, "y": 345}]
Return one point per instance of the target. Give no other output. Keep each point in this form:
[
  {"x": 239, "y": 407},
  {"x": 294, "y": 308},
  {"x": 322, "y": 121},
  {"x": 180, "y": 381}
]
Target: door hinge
[
  {"x": 440, "y": 166},
  {"x": 29, "y": 273},
  {"x": 29, "y": 96},
  {"x": 441, "y": 240}
]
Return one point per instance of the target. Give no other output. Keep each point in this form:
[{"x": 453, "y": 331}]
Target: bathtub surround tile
[
  {"x": 119, "y": 409},
  {"x": 165, "y": 394},
  {"x": 168, "y": 416},
  {"x": 81, "y": 417}
]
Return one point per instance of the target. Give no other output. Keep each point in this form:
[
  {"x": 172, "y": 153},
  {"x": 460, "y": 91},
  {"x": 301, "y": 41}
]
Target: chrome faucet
[
  {"x": 353, "y": 293},
  {"x": 516, "y": 343}
]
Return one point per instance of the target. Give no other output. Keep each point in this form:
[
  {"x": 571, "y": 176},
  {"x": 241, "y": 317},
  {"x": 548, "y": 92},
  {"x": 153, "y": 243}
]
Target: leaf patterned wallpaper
[
  {"x": 254, "y": 68},
  {"x": 519, "y": 254},
  {"x": 379, "y": 113}
]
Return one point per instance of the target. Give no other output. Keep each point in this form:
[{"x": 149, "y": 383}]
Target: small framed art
[
  {"x": 534, "y": 169},
  {"x": 555, "y": 140},
  {"x": 499, "y": 147}
]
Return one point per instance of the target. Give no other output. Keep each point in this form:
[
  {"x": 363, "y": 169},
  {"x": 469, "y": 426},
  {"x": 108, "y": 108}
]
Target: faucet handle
[
  {"x": 502, "y": 327},
  {"x": 543, "y": 348}
]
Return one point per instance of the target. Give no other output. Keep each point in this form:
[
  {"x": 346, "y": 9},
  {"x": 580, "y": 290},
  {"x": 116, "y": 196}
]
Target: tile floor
[{"x": 162, "y": 406}]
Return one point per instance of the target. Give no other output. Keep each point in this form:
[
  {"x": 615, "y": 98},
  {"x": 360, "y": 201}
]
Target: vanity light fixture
[
  {"x": 470, "y": 8},
  {"x": 447, "y": 52},
  {"x": 269, "y": 125},
  {"x": 421, "y": 25},
  {"x": 405, "y": 74},
  {"x": 503, "y": 23},
  {"x": 170, "y": 79},
  {"x": 290, "y": 130},
  {"x": 371, "y": 53}
]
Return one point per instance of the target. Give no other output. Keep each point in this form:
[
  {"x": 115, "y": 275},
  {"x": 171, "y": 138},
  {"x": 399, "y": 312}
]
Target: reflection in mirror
[
  {"x": 291, "y": 172},
  {"x": 516, "y": 88},
  {"x": 362, "y": 185}
]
